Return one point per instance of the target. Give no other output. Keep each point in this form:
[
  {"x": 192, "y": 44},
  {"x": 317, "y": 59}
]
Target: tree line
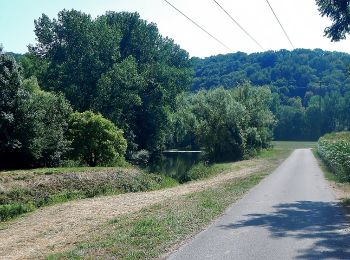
[
  {"x": 311, "y": 87},
  {"x": 97, "y": 91},
  {"x": 39, "y": 128},
  {"x": 116, "y": 67}
]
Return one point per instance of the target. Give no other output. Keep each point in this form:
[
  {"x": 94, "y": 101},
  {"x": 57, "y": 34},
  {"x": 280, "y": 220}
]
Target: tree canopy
[
  {"x": 339, "y": 13},
  {"x": 228, "y": 124},
  {"x": 116, "y": 64},
  {"x": 33, "y": 122},
  {"x": 95, "y": 140},
  {"x": 311, "y": 87}
]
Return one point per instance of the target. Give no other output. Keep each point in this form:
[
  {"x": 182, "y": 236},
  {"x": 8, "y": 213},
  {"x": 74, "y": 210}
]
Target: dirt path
[{"x": 59, "y": 227}]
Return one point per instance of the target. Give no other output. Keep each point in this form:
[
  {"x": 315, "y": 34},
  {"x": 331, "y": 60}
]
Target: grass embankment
[
  {"x": 23, "y": 191},
  {"x": 156, "y": 230}
]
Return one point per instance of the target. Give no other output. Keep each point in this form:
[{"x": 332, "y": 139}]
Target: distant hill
[
  {"x": 300, "y": 72},
  {"x": 16, "y": 56}
]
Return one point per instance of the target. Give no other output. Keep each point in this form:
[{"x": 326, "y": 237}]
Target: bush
[
  {"x": 96, "y": 140},
  {"x": 199, "y": 171},
  {"x": 140, "y": 157},
  {"x": 334, "y": 149},
  {"x": 12, "y": 210}
]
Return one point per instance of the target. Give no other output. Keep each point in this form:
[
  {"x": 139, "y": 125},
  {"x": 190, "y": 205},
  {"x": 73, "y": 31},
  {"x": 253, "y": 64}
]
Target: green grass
[
  {"x": 291, "y": 145},
  {"x": 48, "y": 171},
  {"x": 34, "y": 188},
  {"x": 280, "y": 149},
  {"x": 22, "y": 193},
  {"x": 204, "y": 171},
  {"x": 154, "y": 230},
  {"x": 346, "y": 201}
]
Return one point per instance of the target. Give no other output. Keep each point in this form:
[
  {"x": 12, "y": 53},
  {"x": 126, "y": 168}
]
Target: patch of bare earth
[{"x": 59, "y": 227}]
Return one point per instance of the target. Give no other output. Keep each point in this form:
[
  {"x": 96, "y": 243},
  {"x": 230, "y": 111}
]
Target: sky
[{"x": 300, "y": 19}]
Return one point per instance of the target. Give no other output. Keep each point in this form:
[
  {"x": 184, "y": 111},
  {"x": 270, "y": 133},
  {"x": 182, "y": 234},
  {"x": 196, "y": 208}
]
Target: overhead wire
[
  {"x": 285, "y": 32},
  {"x": 240, "y": 26},
  {"x": 200, "y": 27}
]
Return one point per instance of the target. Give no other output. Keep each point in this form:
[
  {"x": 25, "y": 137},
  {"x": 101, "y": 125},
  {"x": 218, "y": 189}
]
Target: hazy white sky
[{"x": 299, "y": 17}]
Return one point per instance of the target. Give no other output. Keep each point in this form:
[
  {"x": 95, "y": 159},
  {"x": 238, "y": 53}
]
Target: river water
[{"x": 175, "y": 163}]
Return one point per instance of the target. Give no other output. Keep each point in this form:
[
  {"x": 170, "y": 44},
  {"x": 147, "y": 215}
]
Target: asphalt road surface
[{"x": 291, "y": 214}]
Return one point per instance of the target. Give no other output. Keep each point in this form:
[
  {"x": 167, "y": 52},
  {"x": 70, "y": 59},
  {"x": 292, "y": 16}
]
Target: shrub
[
  {"x": 334, "y": 149},
  {"x": 95, "y": 139},
  {"x": 9, "y": 211},
  {"x": 140, "y": 157},
  {"x": 199, "y": 171}
]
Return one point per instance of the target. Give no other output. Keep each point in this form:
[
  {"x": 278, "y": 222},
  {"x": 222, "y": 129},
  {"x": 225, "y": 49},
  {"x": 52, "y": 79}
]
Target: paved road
[{"x": 291, "y": 214}]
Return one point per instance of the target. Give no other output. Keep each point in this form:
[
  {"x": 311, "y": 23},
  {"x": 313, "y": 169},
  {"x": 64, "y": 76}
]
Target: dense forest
[
  {"x": 97, "y": 91},
  {"x": 311, "y": 87}
]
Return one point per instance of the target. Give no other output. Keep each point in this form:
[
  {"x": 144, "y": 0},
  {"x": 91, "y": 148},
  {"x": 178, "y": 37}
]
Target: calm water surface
[{"x": 176, "y": 164}]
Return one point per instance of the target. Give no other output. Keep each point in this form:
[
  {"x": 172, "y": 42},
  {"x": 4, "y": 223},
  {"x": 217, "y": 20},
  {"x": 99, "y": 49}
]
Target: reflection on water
[{"x": 175, "y": 164}]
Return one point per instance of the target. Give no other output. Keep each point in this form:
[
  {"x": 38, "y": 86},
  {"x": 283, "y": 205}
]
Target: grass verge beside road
[
  {"x": 154, "y": 230},
  {"x": 158, "y": 229}
]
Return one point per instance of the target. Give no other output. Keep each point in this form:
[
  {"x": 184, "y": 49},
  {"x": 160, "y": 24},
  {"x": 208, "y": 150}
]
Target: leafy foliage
[
  {"x": 297, "y": 73},
  {"x": 44, "y": 126},
  {"x": 339, "y": 12},
  {"x": 228, "y": 124},
  {"x": 11, "y": 95},
  {"x": 116, "y": 64},
  {"x": 33, "y": 122},
  {"x": 95, "y": 140},
  {"x": 334, "y": 149},
  {"x": 311, "y": 89}
]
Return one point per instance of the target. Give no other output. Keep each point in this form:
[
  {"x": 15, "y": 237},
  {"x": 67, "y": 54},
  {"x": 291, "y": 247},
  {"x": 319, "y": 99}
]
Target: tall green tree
[
  {"x": 33, "y": 123},
  {"x": 12, "y": 95},
  {"x": 78, "y": 50},
  {"x": 227, "y": 124},
  {"x": 119, "y": 95},
  {"x": 44, "y": 126},
  {"x": 116, "y": 64}
]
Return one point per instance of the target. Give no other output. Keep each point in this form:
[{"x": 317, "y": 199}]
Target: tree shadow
[{"x": 322, "y": 221}]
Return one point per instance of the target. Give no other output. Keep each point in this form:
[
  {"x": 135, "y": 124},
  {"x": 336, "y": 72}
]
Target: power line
[
  {"x": 200, "y": 27},
  {"x": 285, "y": 33},
  {"x": 241, "y": 27}
]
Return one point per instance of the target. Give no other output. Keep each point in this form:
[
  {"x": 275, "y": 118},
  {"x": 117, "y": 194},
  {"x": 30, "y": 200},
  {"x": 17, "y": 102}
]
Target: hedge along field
[{"x": 334, "y": 149}]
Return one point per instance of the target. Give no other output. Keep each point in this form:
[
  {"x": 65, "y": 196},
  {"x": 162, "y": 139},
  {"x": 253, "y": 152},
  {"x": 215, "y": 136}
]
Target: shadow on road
[{"x": 323, "y": 222}]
